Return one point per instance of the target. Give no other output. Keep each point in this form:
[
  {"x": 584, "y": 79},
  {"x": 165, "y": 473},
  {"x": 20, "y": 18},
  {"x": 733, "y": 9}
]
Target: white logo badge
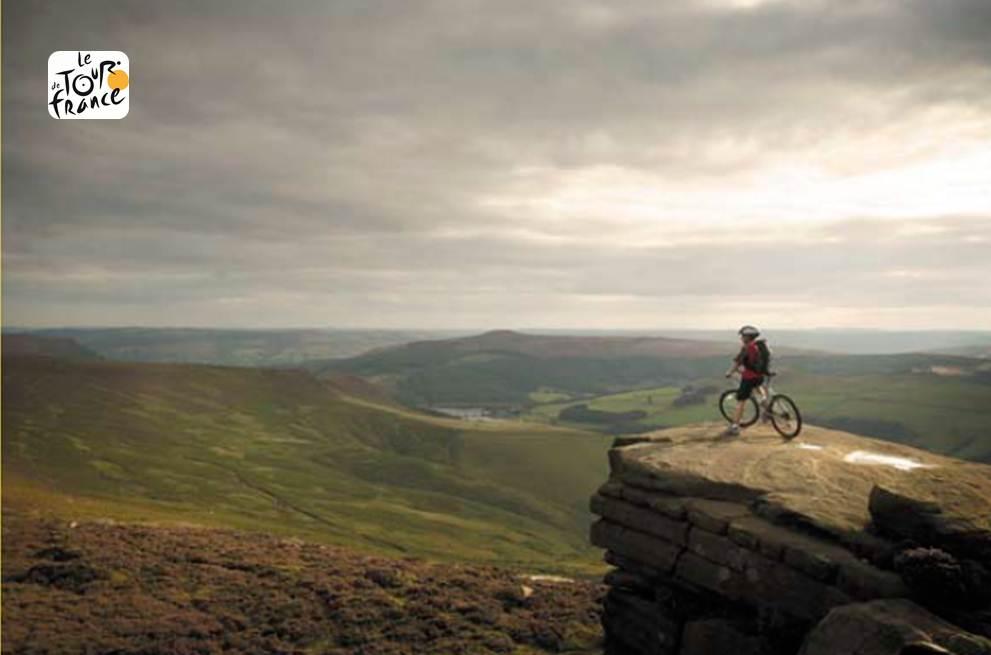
[{"x": 88, "y": 84}]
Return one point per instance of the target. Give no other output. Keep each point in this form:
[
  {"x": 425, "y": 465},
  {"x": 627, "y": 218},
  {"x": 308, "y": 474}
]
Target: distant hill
[
  {"x": 285, "y": 452},
  {"x": 506, "y": 367},
  {"x": 836, "y": 364},
  {"x": 861, "y": 341},
  {"x": 979, "y": 351},
  {"x": 245, "y": 347},
  {"x": 32, "y": 345},
  {"x": 614, "y": 384},
  {"x": 558, "y": 346}
]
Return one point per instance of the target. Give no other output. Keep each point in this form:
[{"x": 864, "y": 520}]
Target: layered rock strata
[{"x": 745, "y": 545}]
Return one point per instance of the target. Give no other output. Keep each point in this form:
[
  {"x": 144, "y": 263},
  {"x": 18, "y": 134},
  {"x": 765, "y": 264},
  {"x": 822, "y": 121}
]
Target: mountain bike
[{"x": 779, "y": 409}]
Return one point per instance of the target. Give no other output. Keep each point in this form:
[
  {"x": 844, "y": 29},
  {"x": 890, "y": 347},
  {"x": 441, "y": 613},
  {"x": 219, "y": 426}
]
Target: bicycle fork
[{"x": 764, "y": 404}]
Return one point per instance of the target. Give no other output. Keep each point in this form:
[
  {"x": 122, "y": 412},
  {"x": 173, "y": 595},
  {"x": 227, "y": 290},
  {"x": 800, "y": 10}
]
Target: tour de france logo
[{"x": 88, "y": 84}]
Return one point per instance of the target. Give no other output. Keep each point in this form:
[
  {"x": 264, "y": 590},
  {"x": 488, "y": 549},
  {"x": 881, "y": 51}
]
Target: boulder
[
  {"x": 889, "y": 627},
  {"x": 955, "y": 518}
]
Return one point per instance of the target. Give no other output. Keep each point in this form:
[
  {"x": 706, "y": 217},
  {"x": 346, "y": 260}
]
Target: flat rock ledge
[{"x": 746, "y": 545}]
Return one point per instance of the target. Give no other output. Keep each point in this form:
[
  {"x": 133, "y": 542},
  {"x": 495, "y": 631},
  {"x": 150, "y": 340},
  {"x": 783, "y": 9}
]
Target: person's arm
[{"x": 737, "y": 362}]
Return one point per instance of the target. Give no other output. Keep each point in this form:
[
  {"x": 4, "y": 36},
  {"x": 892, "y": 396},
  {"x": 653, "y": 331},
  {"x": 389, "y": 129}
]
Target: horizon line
[{"x": 481, "y": 330}]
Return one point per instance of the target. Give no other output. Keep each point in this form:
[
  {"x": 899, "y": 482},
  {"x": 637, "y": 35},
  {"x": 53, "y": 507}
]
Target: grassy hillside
[
  {"x": 285, "y": 452},
  {"x": 943, "y": 412},
  {"x": 232, "y": 347}
]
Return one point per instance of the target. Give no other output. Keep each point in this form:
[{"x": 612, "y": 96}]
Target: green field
[
  {"x": 282, "y": 451},
  {"x": 945, "y": 414}
]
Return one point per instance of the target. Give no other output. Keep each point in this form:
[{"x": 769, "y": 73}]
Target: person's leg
[
  {"x": 742, "y": 395},
  {"x": 738, "y": 414}
]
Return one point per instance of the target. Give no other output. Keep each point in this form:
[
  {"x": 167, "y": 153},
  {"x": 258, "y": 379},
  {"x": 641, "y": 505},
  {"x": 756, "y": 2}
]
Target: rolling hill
[
  {"x": 330, "y": 455},
  {"x": 544, "y": 346},
  {"x": 517, "y": 370},
  {"x": 979, "y": 351},
  {"x": 505, "y": 367},
  {"x": 33, "y": 345},
  {"x": 229, "y": 347},
  {"x": 853, "y": 341},
  {"x": 282, "y": 451}
]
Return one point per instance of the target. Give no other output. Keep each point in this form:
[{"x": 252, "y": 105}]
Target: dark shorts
[{"x": 747, "y": 388}]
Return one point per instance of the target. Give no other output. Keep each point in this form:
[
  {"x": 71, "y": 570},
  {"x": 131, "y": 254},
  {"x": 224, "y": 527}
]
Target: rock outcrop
[
  {"x": 894, "y": 626},
  {"x": 744, "y": 545}
]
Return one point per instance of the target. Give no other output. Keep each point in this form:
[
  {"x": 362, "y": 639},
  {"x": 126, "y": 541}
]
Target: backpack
[{"x": 763, "y": 363}]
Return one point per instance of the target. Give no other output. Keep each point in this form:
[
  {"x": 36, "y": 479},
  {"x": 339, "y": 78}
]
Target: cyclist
[{"x": 752, "y": 362}]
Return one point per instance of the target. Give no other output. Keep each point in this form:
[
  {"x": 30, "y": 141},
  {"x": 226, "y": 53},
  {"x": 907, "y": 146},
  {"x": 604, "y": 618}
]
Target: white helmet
[{"x": 749, "y": 331}]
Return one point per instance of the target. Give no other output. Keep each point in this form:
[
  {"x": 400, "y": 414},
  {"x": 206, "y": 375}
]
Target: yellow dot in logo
[{"x": 117, "y": 80}]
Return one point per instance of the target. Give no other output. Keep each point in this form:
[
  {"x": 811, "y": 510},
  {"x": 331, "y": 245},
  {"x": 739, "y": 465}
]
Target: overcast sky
[{"x": 468, "y": 164}]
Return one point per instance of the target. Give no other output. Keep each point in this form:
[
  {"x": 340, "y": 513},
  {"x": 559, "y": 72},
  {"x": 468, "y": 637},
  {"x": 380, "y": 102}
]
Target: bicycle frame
[
  {"x": 765, "y": 389},
  {"x": 767, "y": 405}
]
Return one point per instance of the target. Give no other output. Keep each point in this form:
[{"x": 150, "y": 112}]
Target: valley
[{"x": 281, "y": 451}]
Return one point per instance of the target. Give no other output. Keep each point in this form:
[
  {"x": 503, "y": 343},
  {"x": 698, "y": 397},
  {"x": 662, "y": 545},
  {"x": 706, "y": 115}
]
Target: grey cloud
[
  {"x": 864, "y": 270},
  {"x": 327, "y": 152}
]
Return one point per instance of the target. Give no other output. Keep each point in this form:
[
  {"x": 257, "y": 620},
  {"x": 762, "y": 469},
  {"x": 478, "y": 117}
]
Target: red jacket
[{"x": 748, "y": 358}]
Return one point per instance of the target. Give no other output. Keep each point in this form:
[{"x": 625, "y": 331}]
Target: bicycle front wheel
[
  {"x": 785, "y": 417},
  {"x": 727, "y": 407}
]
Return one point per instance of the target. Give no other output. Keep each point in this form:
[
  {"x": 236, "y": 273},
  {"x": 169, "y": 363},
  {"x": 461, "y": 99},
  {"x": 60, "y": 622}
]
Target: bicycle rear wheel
[
  {"x": 785, "y": 417},
  {"x": 727, "y": 407}
]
